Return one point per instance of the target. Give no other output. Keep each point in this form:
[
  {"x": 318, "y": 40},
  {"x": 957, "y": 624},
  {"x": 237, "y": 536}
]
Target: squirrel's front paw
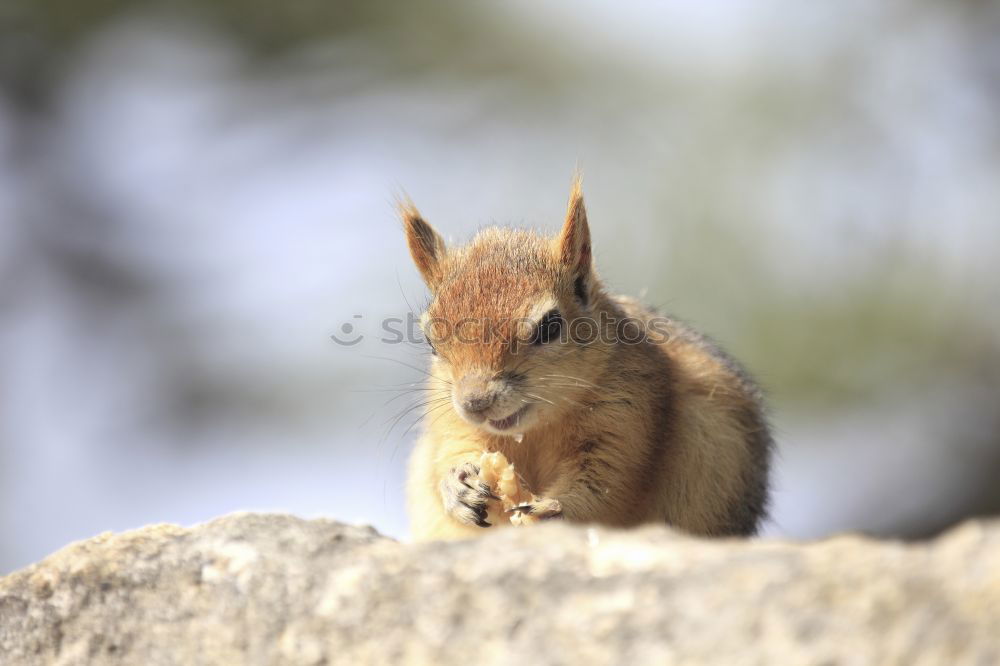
[
  {"x": 465, "y": 497},
  {"x": 541, "y": 508}
]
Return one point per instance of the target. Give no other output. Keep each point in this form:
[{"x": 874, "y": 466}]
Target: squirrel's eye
[{"x": 549, "y": 328}]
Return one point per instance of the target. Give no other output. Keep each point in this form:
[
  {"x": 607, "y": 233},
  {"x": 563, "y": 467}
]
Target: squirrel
[{"x": 605, "y": 423}]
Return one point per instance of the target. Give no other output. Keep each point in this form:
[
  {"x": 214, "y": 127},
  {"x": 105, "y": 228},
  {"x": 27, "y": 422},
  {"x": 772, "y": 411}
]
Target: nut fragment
[{"x": 498, "y": 473}]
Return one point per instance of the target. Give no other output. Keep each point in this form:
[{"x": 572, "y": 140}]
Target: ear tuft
[
  {"x": 427, "y": 248},
  {"x": 574, "y": 239}
]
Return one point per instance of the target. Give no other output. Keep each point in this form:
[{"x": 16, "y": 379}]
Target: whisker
[
  {"x": 558, "y": 386},
  {"x": 407, "y": 365},
  {"x": 437, "y": 418},
  {"x": 568, "y": 400},
  {"x": 422, "y": 417},
  {"x": 576, "y": 379},
  {"x": 538, "y": 397},
  {"x": 408, "y": 410}
]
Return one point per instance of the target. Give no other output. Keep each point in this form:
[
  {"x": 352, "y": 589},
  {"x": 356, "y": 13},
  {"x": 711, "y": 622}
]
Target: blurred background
[{"x": 195, "y": 195}]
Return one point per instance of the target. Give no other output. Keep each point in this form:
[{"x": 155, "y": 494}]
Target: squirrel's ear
[
  {"x": 426, "y": 245},
  {"x": 574, "y": 240}
]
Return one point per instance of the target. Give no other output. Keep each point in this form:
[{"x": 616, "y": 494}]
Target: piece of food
[{"x": 497, "y": 473}]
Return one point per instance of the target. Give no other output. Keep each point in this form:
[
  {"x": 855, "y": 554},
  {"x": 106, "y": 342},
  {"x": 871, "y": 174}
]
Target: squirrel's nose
[
  {"x": 474, "y": 394},
  {"x": 477, "y": 403}
]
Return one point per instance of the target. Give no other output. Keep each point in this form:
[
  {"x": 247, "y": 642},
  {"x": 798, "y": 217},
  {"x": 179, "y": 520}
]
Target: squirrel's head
[{"x": 506, "y": 319}]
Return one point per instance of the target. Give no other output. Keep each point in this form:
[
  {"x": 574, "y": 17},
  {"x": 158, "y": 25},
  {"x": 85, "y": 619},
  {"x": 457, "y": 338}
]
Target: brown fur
[{"x": 666, "y": 430}]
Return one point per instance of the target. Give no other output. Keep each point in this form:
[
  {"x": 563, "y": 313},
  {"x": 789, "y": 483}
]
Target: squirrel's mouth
[{"x": 510, "y": 421}]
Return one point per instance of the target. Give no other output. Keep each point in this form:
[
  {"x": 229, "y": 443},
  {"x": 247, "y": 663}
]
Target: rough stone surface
[{"x": 274, "y": 589}]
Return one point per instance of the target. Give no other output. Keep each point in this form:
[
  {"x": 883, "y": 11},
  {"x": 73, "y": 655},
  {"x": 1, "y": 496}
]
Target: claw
[
  {"x": 544, "y": 510},
  {"x": 465, "y": 497},
  {"x": 485, "y": 490},
  {"x": 465, "y": 473}
]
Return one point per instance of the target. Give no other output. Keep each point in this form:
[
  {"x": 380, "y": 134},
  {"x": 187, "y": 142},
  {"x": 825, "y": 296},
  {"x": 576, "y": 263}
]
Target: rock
[{"x": 274, "y": 589}]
